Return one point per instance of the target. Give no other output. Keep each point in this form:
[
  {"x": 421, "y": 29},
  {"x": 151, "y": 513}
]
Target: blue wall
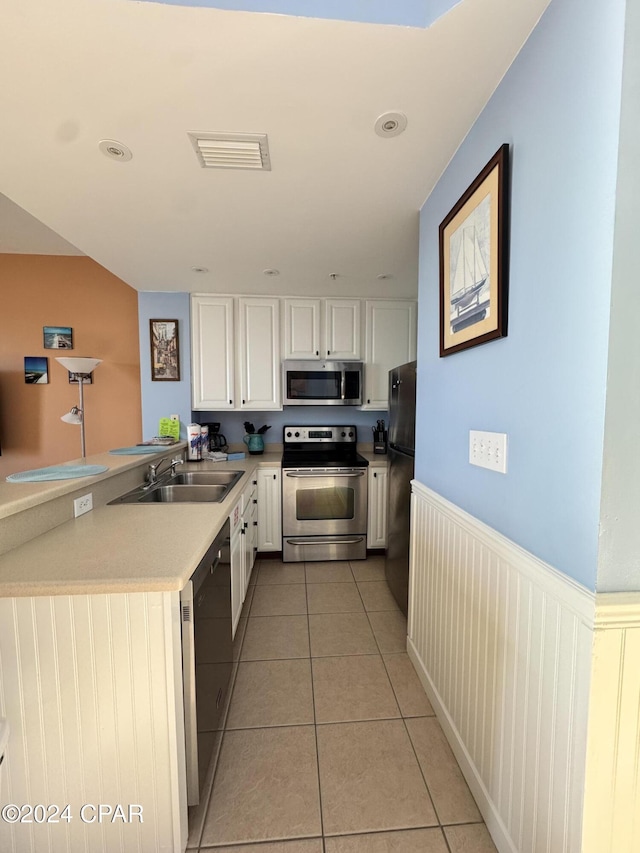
[
  {"x": 161, "y": 399},
  {"x": 408, "y": 13},
  {"x": 558, "y": 107},
  {"x": 232, "y": 423}
]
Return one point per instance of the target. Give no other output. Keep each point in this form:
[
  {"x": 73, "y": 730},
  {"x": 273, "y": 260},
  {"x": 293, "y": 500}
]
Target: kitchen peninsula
[{"x": 90, "y": 651}]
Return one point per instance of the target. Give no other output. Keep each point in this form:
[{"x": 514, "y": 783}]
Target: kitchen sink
[
  {"x": 184, "y": 494},
  {"x": 184, "y": 487},
  {"x": 206, "y": 478}
]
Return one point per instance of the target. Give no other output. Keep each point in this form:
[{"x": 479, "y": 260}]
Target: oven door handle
[
  {"x": 325, "y": 473},
  {"x": 325, "y": 541}
]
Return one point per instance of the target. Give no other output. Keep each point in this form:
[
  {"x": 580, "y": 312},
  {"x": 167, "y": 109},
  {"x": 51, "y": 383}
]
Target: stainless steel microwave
[{"x": 322, "y": 383}]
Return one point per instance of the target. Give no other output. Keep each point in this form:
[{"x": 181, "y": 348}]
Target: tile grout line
[{"x": 315, "y": 721}]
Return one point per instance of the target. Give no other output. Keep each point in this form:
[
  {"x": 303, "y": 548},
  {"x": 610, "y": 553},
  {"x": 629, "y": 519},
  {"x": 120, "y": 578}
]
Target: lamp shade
[
  {"x": 72, "y": 417},
  {"x": 79, "y": 365}
]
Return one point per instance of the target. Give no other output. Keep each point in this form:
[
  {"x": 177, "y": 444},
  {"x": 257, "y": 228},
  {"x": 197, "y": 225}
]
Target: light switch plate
[{"x": 488, "y": 450}]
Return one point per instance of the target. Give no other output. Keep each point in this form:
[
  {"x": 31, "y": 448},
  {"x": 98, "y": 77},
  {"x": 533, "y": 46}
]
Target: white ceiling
[{"x": 339, "y": 199}]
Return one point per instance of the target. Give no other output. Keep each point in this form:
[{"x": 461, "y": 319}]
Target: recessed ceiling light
[
  {"x": 390, "y": 124},
  {"x": 199, "y": 269},
  {"x": 271, "y": 272},
  {"x": 115, "y": 150}
]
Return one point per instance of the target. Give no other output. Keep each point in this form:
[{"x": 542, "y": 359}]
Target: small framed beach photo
[
  {"x": 474, "y": 261},
  {"x": 165, "y": 350},
  {"x": 57, "y": 337}
]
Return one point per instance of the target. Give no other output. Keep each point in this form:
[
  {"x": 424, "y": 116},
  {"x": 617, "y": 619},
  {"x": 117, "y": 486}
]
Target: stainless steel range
[{"x": 324, "y": 494}]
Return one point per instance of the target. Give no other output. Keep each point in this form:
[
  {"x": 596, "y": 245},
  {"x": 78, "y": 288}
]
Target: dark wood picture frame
[
  {"x": 474, "y": 255},
  {"x": 165, "y": 350}
]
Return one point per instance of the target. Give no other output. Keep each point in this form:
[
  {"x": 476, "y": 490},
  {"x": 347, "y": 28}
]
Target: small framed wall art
[
  {"x": 165, "y": 350},
  {"x": 57, "y": 337},
  {"x": 474, "y": 261},
  {"x": 36, "y": 370},
  {"x": 74, "y": 378}
]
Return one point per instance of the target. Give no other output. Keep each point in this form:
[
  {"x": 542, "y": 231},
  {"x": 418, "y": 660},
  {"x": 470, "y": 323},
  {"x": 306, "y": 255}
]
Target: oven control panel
[{"x": 297, "y": 434}]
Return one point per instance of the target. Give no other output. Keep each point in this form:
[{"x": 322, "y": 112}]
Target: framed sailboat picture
[{"x": 474, "y": 261}]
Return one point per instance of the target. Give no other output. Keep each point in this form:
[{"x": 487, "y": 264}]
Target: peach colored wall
[{"x": 37, "y": 291}]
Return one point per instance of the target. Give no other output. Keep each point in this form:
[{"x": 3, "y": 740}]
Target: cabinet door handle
[
  {"x": 243, "y": 402},
  {"x": 255, "y": 500},
  {"x": 317, "y": 353},
  {"x": 328, "y": 352},
  {"x": 275, "y": 477},
  {"x": 374, "y": 474},
  {"x": 231, "y": 402},
  {"x": 368, "y": 401}
]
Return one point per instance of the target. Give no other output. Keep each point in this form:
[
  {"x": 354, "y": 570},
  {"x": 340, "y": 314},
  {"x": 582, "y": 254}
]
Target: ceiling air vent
[{"x": 232, "y": 150}]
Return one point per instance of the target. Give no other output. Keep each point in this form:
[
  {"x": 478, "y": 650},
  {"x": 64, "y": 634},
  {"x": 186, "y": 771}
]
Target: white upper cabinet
[
  {"x": 342, "y": 329},
  {"x": 390, "y": 340},
  {"x": 259, "y": 353},
  {"x": 322, "y": 328},
  {"x": 302, "y": 328},
  {"x": 212, "y": 352},
  {"x": 223, "y": 378}
]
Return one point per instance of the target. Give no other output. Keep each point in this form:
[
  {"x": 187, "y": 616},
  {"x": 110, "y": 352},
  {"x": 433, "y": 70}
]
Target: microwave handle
[{"x": 342, "y": 384}]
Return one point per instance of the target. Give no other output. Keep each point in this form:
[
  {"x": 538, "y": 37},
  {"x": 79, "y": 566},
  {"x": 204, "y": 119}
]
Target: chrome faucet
[{"x": 153, "y": 474}]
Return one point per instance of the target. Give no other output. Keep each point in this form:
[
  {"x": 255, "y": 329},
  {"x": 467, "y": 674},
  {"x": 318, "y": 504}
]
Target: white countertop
[{"x": 115, "y": 549}]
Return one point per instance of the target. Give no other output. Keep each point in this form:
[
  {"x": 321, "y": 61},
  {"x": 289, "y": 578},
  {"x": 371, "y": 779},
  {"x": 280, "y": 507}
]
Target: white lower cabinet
[
  {"x": 250, "y": 530},
  {"x": 237, "y": 559},
  {"x": 270, "y": 509},
  {"x": 377, "y": 512}
]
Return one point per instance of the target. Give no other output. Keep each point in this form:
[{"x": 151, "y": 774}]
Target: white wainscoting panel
[
  {"x": 502, "y": 643},
  {"x": 90, "y": 687},
  {"x": 612, "y": 800}
]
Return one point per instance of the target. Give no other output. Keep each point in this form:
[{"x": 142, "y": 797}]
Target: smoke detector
[
  {"x": 390, "y": 124},
  {"x": 231, "y": 150}
]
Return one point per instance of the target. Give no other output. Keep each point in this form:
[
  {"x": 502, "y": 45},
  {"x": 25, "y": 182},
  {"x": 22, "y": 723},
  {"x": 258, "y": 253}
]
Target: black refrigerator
[{"x": 402, "y": 434}]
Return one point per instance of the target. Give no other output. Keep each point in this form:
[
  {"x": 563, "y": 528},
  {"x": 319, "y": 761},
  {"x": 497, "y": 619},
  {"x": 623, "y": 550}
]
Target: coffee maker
[{"x": 217, "y": 441}]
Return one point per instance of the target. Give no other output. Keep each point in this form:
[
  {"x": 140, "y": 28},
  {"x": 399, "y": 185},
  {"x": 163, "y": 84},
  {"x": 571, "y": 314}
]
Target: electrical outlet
[
  {"x": 83, "y": 504},
  {"x": 488, "y": 450}
]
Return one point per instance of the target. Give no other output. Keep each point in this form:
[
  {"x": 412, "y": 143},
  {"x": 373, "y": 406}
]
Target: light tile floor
[{"x": 330, "y": 744}]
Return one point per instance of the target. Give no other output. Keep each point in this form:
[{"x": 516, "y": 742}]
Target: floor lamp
[{"x": 81, "y": 367}]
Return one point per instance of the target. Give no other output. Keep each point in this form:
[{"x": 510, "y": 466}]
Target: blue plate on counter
[
  {"x": 56, "y": 472},
  {"x": 135, "y": 451}
]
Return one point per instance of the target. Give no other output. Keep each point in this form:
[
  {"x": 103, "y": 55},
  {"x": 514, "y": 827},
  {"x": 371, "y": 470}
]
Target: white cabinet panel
[
  {"x": 92, "y": 688},
  {"x": 259, "y": 353},
  {"x": 390, "y": 340},
  {"x": 212, "y": 352},
  {"x": 220, "y": 380},
  {"x": 302, "y": 328},
  {"x": 322, "y": 328},
  {"x": 269, "y": 509},
  {"x": 377, "y": 512},
  {"x": 342, "y": 329}
]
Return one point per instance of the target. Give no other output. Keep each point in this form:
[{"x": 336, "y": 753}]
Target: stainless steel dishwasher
[{"x": 207, "y": 656}]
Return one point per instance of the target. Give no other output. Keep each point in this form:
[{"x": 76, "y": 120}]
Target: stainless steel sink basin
[
  {"x": 206, "y": 478},
  {"x": 184, "y": 494},
  {"x": 185, "y": 487}
]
